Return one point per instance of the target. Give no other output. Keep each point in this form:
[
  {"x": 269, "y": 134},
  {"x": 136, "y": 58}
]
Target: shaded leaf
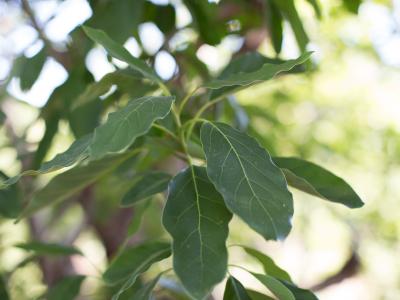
[
  {"x": 66, "y": 289},
  {"x": 150, "y": 184},
  {"x": 139, "y": 210},
  {"x": 275, "y": 286},
  {"x": 288, "y": 9},
  {"x": 10, "y": 199},
  {"x": 197, "y": 219},
  {"x": 3, "y": 289},
  {"x": 119, "y": 52},
  {"x": 274, "y": 25},
  {"x": 352, "y": 5},
  {"x": 125, "y": 125},
  {"x": 135, "y": 260},
  {"x": 40, "y": 248},
  {"x": 145, "y": 292},
  {"x": 70, "y": 182},
  {"x": 250, "y": 69},
  {"x": 30, "y": 69},
  {"x": 258, "y": 296},
  {"x": 315, "y": 180},
  {"x": 252, "y": 186},
  {"x": 268, "y": 264},
  {"x": 234, "y": 290}
]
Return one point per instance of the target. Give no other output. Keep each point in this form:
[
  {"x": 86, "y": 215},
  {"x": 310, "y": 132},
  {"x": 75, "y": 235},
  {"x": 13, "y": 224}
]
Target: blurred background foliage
[{"x": 343, "y": 114}]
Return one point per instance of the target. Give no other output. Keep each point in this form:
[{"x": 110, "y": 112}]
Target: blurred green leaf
[
  {"x": 197, "y": 219},
  {"x": 40, "y": 248},
  {"x": 352, "y": 5},
  {"x": 275, "y": 286},
  {"x": 163, "y": 16},
  {"x": 315, "y": 180},
  {"x": 145, "y": 292},
  {"x": 72, "y": 181},
  {"x": 300, "y": 294},
  {"x": 66, "y": 289},
  {"x": 268, "y": 264},
  {"x": 316, "y": 7},
  {"x": 148, "y": 185},
  {"x": 10, "y": 199},
  {"x": 249, "y": 70},
  {"x": 119, "y": 52},
  {"x": 258, "y": 296},
  {"x": 274, "y": 25},
  {"x": 30, "y": 68},
  {"x": 139, "y": 210},
  {"x": 125, "y": 125},
  {"x": 3, "y": 289},
  {"x": 252, "y": 186},
  {"x": 234, "y": 290},
  {"x": 288, "y": 9}
]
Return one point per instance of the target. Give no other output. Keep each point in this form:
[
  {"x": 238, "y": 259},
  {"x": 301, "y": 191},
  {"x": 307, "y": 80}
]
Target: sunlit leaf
[
  {"x": 197, "y": 219},
  {"x": 248, "y": 70},
  {"x": 66, "y": 289},
  {"x": 125, "y": 125},
  {"x": 252, "y": 186},
  {"x": 40, "y": 248},
  {"x": 316, "y": 7},
  {"x": 234, "y": 290},
  {"x": 315, "y": 180},
  {"x": 268, "y": 264},
  {"x": 150, "y": 184},
  {"x": 119, "y": 52}
]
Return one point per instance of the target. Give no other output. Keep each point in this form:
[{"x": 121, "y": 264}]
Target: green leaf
[
  {"x": 315, "y": 180},
  {"x": 10, "y": 199},
  {"x": 31, "y": 68},
  {"x": 275, "y": 286},
  {"x": 135, "y": 260},
  {"x": 300, "y": 294},
  {"x": 316, "y": 7},
  {"x": 77, "y": 152},
  {"x": 234, "y": 290},
  {"x": 288, "y": 9},
  {"x": 3, "y": 289},
  {"x": 66, "y": 289},
  {"x": 125, "y": 125},
  {"x": 252, "y": 186},
  {"x": 119, "y": 52},
  {"x": 72, "y": 181},
  {"x": 150, "y": 184},
  {"x": 352, "y": 5},
  {"x": 274, "y": 25},
  {"x": 258, "y": 296},
  {"x": 268, "y": 264},
  {"x": 197, "y": 219},
  {"x": 40, "y": 248},
  {"x": 242, "y": 74},
  {"x": 121, "y": 78},
  {"x": 145, "y": 292},
  {"x": 247, "y": 63},
  {"x": 139, "y": 210}
]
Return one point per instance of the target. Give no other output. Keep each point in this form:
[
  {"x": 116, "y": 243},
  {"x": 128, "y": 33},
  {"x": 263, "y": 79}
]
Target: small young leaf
[
  {"x": 125, "y": 125},
  {"x": 252, "y": 186},
  {"x": 135, "y": 260},
  {"x": 70, "y": 182},
  {"x": 275, "y": 286},
  {"x": 234, "y": 290},
  {"x": 268, "y": 264},
  {"x": 150, "y": 184},
  {"x": 265, "y": 72},
  {"x": 42, "y": 249},
  {"x": 145, "y": 292},
  {"x": 119, "y": 52},
  {"x": 197, "y": 219},
  {"x": 315, "y": 180},
  {"x": 66, "y": 289}
]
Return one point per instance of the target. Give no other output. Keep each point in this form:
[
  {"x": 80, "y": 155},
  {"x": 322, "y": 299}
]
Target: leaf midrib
[{"x": 246, "y": 177}]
